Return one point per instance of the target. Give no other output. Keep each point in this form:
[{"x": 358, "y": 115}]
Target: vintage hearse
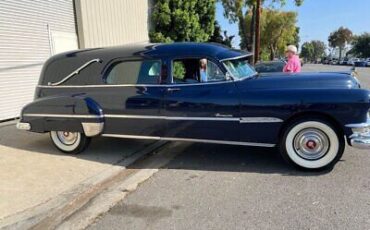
[{"x": 156, "y": 91}]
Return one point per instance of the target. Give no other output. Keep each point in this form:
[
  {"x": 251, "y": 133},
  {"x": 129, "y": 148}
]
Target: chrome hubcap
[
  {"x": 311, "y": 144},
  {"x": 67, "y": 138}
]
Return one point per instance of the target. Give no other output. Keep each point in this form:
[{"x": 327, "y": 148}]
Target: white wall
[{"x": 113, "y": 22}]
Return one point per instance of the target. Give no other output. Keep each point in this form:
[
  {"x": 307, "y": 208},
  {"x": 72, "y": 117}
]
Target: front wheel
[
  {"x": 69, "y": 142},
  {"x": 312, "y": 144}
]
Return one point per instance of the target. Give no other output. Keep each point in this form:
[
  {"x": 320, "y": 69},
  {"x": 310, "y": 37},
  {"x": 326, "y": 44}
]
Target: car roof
[{"x": 152, "y": 50}]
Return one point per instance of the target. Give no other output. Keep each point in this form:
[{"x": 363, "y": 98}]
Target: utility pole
[
  {"x": 252, "y": 37},
  {"x": 257, "y": 32}
]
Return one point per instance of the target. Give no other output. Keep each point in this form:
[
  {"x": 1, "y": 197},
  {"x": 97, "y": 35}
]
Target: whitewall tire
[
  {"x": 312, "y": 144},
  {"x": 69, "y": 142}
]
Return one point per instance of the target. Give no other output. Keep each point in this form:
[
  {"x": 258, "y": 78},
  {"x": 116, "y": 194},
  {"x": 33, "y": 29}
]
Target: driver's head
[{"x": 203, "y": 63}]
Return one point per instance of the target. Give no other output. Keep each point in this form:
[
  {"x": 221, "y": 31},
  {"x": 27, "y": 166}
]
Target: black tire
[
  {"x": 75, "y": 144},
  {"x": 312, "y": 144}
]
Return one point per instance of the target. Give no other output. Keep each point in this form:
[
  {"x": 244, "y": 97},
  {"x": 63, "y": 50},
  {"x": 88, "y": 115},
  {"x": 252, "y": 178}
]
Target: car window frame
[{"x": 112, "y": 63}]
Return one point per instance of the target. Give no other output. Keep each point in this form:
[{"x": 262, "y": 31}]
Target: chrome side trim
[
  {"x": 61, "y": 115},
  {"x": 173, "y": 118},
  {"x": 190, "y": 140},
  {"x": 216, "y": 118},
  {"x": 360, "y": 125},
  {"x": 131, "y": 136},
  {"x": 260, "y": 120},
  {"x": 92, "y": 129},
  {"x": 77, "y": 71}
]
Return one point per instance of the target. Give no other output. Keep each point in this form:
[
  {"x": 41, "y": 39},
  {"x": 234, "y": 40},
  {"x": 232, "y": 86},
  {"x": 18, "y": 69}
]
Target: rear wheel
[
  {"x": 312, "y": 144},
  {"x": 69, "y": 142}
]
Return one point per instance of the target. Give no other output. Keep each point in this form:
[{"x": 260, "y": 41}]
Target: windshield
[{"x": 240, "y": 68}]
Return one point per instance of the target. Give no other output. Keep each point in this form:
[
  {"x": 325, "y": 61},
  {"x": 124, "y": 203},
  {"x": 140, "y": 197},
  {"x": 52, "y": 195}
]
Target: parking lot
[{"x": 230, "y": 187}]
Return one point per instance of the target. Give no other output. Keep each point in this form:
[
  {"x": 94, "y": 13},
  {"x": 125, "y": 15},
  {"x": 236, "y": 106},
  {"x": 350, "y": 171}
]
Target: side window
[
  {"x": 214, "y": 73},
  {"x": 134, "y": 72},
  {"x": 194, "y": 70}
]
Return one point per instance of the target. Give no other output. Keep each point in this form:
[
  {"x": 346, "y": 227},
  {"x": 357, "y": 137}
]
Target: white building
[{"x": 32, "y": 31}]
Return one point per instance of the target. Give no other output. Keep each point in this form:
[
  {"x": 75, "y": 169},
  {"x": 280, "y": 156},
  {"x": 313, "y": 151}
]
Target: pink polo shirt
[{"x": 293, "y": 65}]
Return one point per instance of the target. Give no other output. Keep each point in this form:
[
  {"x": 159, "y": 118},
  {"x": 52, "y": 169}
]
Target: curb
[{"x": 54, "y": 211}]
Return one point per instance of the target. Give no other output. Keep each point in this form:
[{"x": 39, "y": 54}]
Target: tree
[
  {"x": 179, "y": 20},
  {"x": 319, "y": 48},
  {"x": 313, "y": 50},
  {"x": 218, "y": 37},
  {"x": 297, "y": 39},
  {"x": 278, "y": 29},
  {"x": 237, "y": 11},
  {"x": 340, "y": 38},
  {"x": 361, "y": 45},
  {"x": 307, "y": 51}
]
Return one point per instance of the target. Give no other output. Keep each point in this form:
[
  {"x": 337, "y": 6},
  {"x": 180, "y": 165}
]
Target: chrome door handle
[{"x": 173, "y": 89}]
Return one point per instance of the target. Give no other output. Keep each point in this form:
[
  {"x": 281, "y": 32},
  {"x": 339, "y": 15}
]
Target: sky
[{"x": 317, "y": 18}]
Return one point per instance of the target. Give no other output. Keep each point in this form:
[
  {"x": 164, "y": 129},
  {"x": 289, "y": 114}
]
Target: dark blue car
[{"x": 164, "y": 92}]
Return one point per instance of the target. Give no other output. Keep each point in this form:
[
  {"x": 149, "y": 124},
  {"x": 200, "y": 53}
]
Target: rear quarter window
[{"x": 134, "y": 72}]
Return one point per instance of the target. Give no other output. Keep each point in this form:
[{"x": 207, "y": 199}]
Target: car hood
[{"x": 314, "y": 80}]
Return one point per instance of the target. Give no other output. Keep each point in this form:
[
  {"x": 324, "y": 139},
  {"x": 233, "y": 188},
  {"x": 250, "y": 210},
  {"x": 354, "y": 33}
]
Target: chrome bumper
[
  {"x": 23, "y": 126},
  {"x": 361, "y": 135}
]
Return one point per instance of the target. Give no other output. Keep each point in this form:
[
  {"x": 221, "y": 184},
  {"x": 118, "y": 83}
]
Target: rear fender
[{"x": 76, "y": 113}]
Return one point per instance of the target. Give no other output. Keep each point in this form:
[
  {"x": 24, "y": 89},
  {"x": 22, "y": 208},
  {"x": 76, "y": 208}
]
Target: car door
[
  {"x": 131, "y": 98},
  {"x": 201, "y": 111}
]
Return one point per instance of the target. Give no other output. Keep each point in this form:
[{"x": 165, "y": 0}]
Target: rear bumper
[
  {"x": 23, "y": 126},
  {"x": 361, "y": 135}
]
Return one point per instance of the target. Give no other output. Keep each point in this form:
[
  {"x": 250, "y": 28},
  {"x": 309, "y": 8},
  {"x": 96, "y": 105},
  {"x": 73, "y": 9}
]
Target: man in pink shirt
[{"x": 294, "y": 64}]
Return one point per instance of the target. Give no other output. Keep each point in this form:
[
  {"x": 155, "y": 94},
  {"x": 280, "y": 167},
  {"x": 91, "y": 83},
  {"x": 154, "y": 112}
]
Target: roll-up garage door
[{"x": 30, "y": 32}]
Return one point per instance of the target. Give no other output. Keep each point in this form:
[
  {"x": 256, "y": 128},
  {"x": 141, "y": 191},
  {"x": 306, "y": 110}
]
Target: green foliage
[
  {"x": 217, "y": 36},
  {"x": 361, "y": 45},
  {"x": 182, "y": 20},
  {"x": 313, "y": 50},
  {"x": 278, "y": 29},
  {"x": 340, "y": 38},
  {"x": 242, "y": 11},
  {"x": 178, "y": 70},
  {"x": 307, "y": 51},
  {"x": 297, "y": 39}
]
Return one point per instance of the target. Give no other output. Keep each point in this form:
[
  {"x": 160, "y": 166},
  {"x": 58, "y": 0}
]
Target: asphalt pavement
[{"x": 232, "y": 187}]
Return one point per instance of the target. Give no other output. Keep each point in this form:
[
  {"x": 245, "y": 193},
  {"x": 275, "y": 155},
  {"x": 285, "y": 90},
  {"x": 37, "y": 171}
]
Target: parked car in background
[
  {"x": 157, "y": 92},
  {"x": 270, "y": 66},
  {"x": 325, "y": 61},
  {"x": 368, "y": 62},
  {"x": 352, "y": 61},
  {"x": 360, "y": 63},
  {"x": 343, "y": 61},
  {"x": 333, "y": 62}
]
